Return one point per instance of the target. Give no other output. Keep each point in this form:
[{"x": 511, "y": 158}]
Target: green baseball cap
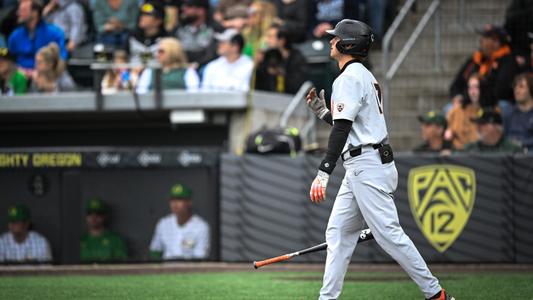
[
  {"x": 180, "y": 191},
  {"x": 95, "y": 206},
  {"x": 433, "y": 117},
  {"x": 18, "y": 212}
]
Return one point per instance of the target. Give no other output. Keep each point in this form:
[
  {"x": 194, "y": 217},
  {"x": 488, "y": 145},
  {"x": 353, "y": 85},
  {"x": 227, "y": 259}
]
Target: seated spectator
[
  {"x": 181, "y": 234},
  {"x": 12, "y": 81},
  {"x": 221, "y": 10},
  {"x": 294, "y": 16},
  {"x": 50, "y": 73},
  {"x": 236, "y": 17},
  {"x": 518, "y": 24},
  {"x": 20, "y": 243},
  {"x": 494, "y": 64},
  {"x": 70, "y": 17},
  {"x": 112, "y": 20},
  {"x": 195, "y": 33},
  {"x": 33, "y": 34},
  {"x": 433, "y": 125},
  {"x": 261, "y": 17},
  {"x": 98, "y": 243},
  {"x": 326, "y": 13},
  {"x": 144, "y": 41},
  {"x": 491, "y": 138},
  {"x": 119, "y": 78},
  {"x": 283, "y": 68},
  {"x": 461, "y": 129},
  {"x": 518, "y": 124},
  {"x": 232, "y": 70},
  {"x": 176, "y": 74}
]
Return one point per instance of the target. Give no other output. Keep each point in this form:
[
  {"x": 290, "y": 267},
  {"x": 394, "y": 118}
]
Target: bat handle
[{"x": 259, "y": 264}]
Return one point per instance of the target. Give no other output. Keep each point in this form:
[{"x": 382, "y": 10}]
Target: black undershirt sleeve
[
  {"x": 328, "y": 119},
  {"x": 337, "y": 139}
]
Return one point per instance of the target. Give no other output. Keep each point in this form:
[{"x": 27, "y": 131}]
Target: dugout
[{"x": 135, "y": 183}]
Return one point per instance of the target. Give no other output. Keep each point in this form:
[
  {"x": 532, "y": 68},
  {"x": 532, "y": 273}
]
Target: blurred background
[{"x": 135, "y": 131}]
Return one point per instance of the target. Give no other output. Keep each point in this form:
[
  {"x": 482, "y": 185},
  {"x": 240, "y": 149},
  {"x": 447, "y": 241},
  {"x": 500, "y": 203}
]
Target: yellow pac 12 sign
[{"x": 441, "y": 198}]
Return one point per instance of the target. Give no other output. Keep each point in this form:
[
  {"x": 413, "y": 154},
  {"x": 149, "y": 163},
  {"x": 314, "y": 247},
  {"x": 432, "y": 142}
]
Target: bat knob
[{"x": 255, "y": 266}]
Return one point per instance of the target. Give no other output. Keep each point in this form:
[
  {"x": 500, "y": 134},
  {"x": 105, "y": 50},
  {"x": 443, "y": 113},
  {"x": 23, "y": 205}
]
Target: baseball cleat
[{"x": 442, "y": 295}]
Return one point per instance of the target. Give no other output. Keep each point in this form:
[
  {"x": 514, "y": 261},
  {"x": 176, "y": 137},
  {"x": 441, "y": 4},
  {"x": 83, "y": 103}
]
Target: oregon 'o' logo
[{"x": 441, "y": 198}]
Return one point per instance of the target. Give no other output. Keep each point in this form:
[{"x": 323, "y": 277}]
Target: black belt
[{"x": 356, "y": 151}]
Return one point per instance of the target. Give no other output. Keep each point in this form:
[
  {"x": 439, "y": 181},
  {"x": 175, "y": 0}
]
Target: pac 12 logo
[{"x": 441, "y": 198}]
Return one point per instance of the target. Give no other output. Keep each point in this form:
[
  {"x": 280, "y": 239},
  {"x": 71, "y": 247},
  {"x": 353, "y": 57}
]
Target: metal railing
[
  {"x": 390, "y": 71},
  {"x": 309, "y": 130}
]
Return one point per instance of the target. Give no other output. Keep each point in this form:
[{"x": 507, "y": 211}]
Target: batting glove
[
  {"x": 318, "y": 188},
  {"x": 317, "y": 103}
]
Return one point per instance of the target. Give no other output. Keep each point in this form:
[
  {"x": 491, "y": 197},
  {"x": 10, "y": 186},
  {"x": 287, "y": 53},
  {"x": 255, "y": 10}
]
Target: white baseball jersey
[
  {"x": 356, "y": 97},
  {"x": 190, "y": 240},
  {"x": 34, "y": 248}
]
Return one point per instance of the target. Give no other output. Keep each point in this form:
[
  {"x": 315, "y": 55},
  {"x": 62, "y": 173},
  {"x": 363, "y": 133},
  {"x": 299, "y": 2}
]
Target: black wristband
[
  {"x": 328, "y": 119},
  {"x": 327, "y": 166}
]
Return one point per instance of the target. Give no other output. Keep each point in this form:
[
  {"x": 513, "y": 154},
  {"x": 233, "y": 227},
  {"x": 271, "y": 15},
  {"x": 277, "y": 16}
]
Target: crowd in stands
[
  {"x": 179, "y": 235},
  {"x": 195, "y": 41},
  {"x": 491, "y": 97}
]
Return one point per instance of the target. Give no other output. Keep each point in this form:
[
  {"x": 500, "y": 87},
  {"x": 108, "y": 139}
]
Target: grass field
[{"x": 258, "y": 285}]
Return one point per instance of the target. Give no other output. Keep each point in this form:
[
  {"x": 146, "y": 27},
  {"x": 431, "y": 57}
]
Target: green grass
[{"x": 259, "y": 285}]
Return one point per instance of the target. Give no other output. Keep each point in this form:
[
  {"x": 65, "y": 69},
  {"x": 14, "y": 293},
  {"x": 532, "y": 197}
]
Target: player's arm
[
  {"x": 337, "y": 139},
  {"x": 318, "y": 105}
]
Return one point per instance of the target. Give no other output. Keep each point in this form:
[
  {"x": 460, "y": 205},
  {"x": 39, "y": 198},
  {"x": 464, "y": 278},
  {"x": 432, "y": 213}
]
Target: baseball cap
[
  {"x": 433, "y": 117},
  {"x": 152, "y": 10},
  {"x": 227, "y": 35},
  {"x": 18, "y": 212},
  {"x": 95, "y": 206},
  {"x": 180, "y": 191},
  {"x": 5, "y": 54},
  {"x": 488, "y": 117},
  {"x": 495, "y": 32},
  {"x": 196, "y": 3}
]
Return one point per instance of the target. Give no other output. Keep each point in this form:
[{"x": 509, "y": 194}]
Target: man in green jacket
[
  {"x": 100, "y": 244},
  {"x": 12, "y": 81}
]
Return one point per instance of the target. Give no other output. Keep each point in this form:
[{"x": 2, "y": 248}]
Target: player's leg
[
  {"x": 344, "y": 225},
  {"x": 374, "y": 188}
]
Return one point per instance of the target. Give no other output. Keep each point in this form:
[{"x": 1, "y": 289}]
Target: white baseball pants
[{"x": 366, "y": 196}]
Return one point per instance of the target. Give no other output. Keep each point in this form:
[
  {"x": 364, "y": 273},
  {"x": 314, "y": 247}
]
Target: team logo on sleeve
[
  {"x": 340, "y": 107},
  {"x": 441, "y": 198}
]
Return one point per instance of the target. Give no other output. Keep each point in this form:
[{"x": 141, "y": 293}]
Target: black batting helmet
[{"x": 356, "y": 37}]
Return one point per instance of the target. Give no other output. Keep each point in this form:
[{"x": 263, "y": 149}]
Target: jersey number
[{"x": 378, "y": 97}]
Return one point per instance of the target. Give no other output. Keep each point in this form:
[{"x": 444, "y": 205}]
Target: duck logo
[{"x": 441, "y": 198}]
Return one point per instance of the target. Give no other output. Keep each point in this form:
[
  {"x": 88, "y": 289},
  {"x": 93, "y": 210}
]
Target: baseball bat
[{"x": 365, "y": 235}]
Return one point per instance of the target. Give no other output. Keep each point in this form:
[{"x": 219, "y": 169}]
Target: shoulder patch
[{"x": 340, "y": 107}]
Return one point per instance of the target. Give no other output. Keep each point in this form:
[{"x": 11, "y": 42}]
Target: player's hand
[
  {"x": 317, "y": 103},
  {"x": 318, "y": 187}
]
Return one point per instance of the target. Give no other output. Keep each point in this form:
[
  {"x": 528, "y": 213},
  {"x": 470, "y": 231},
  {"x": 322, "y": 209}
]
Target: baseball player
[{"x": 359, "y": 137}]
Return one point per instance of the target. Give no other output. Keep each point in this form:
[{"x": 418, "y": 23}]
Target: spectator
[
  {"x": 195, "y": 33},
  {"x": 113, "y": 19},
  {"x": 232, "y": 70},
  {"x": 495, "y": 65},
  {"x": 294, "y": 15},
  {"x": 236, "y": 17},
  {"x": 21, "y": 244},
  {"x": 144, "y": 41},
  {"x": 461, "y": 130},
  {"x": 176, "y": 74},
  {"x": 70, "y": 17},
  {"x": 518, "y": 24},
  {"x": 221, "y": 11},
  {"x": 12, "y": 81},
  {"x": 100, "y": 244},
  {"x": 283, "y": 68},
  {"x": 518, "y": 124},
  {"x": 33, "y": 34},
  {"x": 181, "y": 234},
  {"x": 261, "y": 17},
  {"x": 119, "y": 78},
  {"x": 433, "y": 125},
  {"x": 50, "y": 74},
  {"x": 326, "y": 13},
  {"x": 491, "y": 138}
]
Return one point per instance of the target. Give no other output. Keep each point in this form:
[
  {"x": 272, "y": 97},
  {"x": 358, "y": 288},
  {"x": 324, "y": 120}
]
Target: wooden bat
[{"x": 365, "y": 235}]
